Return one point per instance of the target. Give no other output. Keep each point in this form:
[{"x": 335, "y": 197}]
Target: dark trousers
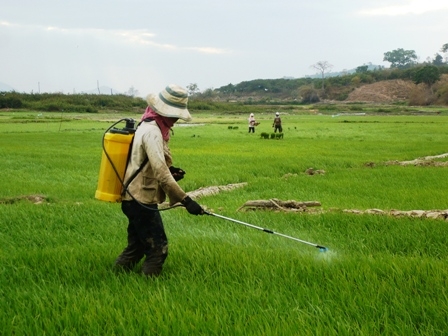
[
  {"x": 278, "y": 127},
  {"x": 146, "y": 237},
  {"x": 251, "y": 129}
]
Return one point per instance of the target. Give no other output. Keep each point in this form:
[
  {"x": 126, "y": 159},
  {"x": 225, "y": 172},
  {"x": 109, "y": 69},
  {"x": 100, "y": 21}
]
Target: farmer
[
  {"x": 157, "y": 179},
  {"x": 277, "y": 123},
  {"x": 252, "y": 123}
]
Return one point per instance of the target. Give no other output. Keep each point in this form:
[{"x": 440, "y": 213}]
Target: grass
[{"x": 382, "y": 275}]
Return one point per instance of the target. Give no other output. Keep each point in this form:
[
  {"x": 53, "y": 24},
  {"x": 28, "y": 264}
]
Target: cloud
[
  {"x": 208, "y": 50},
  {"x": 136, "y": 37},
  {"x": 5, "y": 23},
  {"x": 412, "y": 7}
]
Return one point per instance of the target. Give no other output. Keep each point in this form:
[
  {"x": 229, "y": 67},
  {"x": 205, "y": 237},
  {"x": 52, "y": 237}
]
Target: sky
[{"x": 74, "y": 46}]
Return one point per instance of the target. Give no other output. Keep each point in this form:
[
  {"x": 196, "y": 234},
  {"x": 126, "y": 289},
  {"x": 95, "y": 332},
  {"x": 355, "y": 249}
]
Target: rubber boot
[
  {"x": 130, "y": 256},
  {"x": 152, "y": 266}
]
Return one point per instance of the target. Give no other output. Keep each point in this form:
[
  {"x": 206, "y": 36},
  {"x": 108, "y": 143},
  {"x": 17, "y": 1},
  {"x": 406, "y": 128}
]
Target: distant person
[
  {"x": 252, "y": 123},
  {"x": 150, "y": 177},
  {"x": 277, "y": 123}
]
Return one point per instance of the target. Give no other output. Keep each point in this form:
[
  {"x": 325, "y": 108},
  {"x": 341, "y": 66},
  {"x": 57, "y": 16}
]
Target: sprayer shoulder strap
[
  {"x": 145, "y": 161},
  {"x": 132, "y": 177}
]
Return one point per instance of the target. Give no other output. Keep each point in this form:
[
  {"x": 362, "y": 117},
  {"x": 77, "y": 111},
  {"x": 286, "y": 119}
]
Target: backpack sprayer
[{"x": 116, "y": 145}]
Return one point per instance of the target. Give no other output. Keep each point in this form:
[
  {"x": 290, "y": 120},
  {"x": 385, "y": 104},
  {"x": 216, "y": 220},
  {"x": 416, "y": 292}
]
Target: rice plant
[{"x": 381, "y": 275}]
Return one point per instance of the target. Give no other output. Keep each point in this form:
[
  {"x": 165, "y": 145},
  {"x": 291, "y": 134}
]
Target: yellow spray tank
[{"x": 116, "y": 144}]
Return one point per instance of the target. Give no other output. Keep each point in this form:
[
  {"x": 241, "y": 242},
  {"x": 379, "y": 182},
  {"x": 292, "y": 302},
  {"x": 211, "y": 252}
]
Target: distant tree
[
  {"x": 132, "y": 92},
  {"x": 438, "y": 60},
  {"x": 193, "y": 89},
  {"x": 208, "y": 93},
  {"x": 366, "y": 78},
  {"x": 362, "y": 69},
  {"x": 429, "y": 74},
  {"x": 400, "y": 58},
  {"x": 444, "y": 49},
  {"x": 356, "y": 81},
  {"x": 10, "y": 100},
  {"x": 322, "y": 66},
  {"x": 230, "y": 88}
]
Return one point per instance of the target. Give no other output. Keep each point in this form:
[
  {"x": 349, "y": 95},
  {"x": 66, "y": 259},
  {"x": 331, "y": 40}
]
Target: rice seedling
[{"x": 381, "y": 275}]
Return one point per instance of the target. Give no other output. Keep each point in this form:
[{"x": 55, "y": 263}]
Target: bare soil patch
[
  {"x": 423, "y": 161},
  {"x": 36, "y": 199},
  {"x": 383, "y": 92}
]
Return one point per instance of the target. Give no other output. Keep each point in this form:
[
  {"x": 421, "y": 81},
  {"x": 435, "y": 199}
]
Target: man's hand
[
  {"x": 192, "y": 207},
  {"x": 177, "y": 173}
]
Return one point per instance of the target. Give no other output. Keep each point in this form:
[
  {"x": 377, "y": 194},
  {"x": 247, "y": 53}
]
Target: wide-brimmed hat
[{"x": 170, "y": 102}]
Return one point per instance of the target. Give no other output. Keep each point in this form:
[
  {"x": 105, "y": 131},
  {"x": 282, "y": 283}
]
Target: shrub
[
  {"x": 429, "y": 74},
  {"x": 54, "y": 102},
  {"x": 442, "y": 94},
  {"x": 10, "y": 102},
  {"x": 356, "y": 81},
  {"x": 342, "y": 96},
  {"x": 420, "y": 96},
  {"x": 308, "y": 95},
  {"x": 441, "y": 90}
]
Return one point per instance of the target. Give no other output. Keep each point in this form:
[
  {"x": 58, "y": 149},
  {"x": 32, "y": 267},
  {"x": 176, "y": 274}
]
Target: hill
[
  {"x": 383, "y": 92},
  {"x": 380, "y": 86}
]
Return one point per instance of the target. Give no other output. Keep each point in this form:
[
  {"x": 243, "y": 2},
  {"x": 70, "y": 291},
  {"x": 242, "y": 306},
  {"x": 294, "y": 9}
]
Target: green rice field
[{"x": 382, "y": 275}]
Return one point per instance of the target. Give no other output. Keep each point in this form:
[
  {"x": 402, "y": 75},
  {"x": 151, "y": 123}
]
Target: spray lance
[{"x": 320, "y": 247}]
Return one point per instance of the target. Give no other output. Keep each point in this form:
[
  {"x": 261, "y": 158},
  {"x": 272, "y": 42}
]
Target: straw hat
[{"x": 170, "y": 102}]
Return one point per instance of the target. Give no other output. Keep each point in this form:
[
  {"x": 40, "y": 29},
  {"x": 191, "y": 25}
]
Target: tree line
[{"x": 59, "y": 102}]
